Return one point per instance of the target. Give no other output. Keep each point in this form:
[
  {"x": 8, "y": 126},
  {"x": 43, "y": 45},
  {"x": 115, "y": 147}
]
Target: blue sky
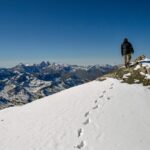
[{"x": 72, "y": 31}]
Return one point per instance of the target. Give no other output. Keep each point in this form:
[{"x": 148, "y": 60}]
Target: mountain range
[{"x": 24, "y": 83}]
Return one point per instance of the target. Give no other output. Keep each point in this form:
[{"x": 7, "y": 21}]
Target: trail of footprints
[{"x": 80, "y": 131}]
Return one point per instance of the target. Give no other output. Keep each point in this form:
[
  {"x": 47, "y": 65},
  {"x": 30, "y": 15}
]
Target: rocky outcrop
[{"x": 137, "y": 73}]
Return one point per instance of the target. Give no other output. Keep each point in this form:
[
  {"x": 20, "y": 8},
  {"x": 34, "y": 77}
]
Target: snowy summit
[{"x": 106, "y": 115}]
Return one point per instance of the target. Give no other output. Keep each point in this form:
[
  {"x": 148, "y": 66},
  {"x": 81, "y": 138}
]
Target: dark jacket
[{"x": 126, "y": 48}]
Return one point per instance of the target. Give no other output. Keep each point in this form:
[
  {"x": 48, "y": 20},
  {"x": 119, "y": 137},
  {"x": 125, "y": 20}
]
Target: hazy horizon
[{"x": 72, "y": 62}]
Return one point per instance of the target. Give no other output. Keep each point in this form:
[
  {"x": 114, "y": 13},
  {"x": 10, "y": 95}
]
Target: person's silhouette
[{"x": 126, "y": 51}]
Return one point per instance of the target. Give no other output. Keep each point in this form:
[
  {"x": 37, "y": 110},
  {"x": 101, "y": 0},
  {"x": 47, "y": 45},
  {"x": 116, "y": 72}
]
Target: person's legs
[
  {"x": 125, "y": 60},
  {"x": 130, "y": 56},
  {"x": 128, "y": 60}
]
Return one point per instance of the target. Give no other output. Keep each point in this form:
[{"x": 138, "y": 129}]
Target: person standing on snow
[{"x": 127, "y": 51}]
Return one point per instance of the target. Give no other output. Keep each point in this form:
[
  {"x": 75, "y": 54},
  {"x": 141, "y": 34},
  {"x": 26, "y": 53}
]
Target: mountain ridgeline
[{"x": 25, "y": 83}]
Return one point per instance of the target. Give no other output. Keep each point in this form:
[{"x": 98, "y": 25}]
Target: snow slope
[{"x": 106, "y": 115}]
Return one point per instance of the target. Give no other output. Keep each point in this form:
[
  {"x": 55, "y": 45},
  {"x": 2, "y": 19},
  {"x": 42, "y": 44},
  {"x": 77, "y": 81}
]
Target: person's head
[{"x": 125, "y": 40}]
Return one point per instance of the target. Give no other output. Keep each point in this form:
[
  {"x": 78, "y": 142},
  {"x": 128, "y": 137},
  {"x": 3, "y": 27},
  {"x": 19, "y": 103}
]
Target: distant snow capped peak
[
  {"x": 21, "y": 65},
  {"x": 44, "y": 64}
]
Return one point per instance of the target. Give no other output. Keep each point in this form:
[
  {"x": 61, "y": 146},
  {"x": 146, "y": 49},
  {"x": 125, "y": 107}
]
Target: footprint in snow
[
  {"x": 87, "y": 113},
  {"x": 80, "y": 132},
  {"x": 108, "y": 98},
  {"x": 112, "y": 84},
  {"x": 95, "y": 101},
  {"x": 86, "y": 121},
  {"x": 111, "y": 88},
  {"x": 81, "y": 145},
  {"x": 104, "y": 92},
  {"x": 95, "y": 107},
  {"x": 101, "y": 96}
]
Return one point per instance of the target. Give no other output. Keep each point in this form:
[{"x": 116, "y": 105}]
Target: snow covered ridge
[
  {"x": 139, "y": 72},
  {"x": 106, "y": 115},
  {"x": 25, "y": 83}
]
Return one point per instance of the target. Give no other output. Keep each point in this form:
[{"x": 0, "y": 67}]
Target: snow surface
[
  {"x": 146, "y": 62},
  {"x": 147, "y": 76},
  {"x": 142, "y": 73},
  {"x": 136, "y": 81},
  {"x": 106, "y": 115},
  {"x": 125, "y": 76},
  {"x": 137, "y": 67},
  {"x": 146, "y": 59}
]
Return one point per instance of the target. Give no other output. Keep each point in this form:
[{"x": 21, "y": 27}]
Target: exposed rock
[
  {"x": 137, "y": 72},
  {"x": 142, "y": 57}
]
